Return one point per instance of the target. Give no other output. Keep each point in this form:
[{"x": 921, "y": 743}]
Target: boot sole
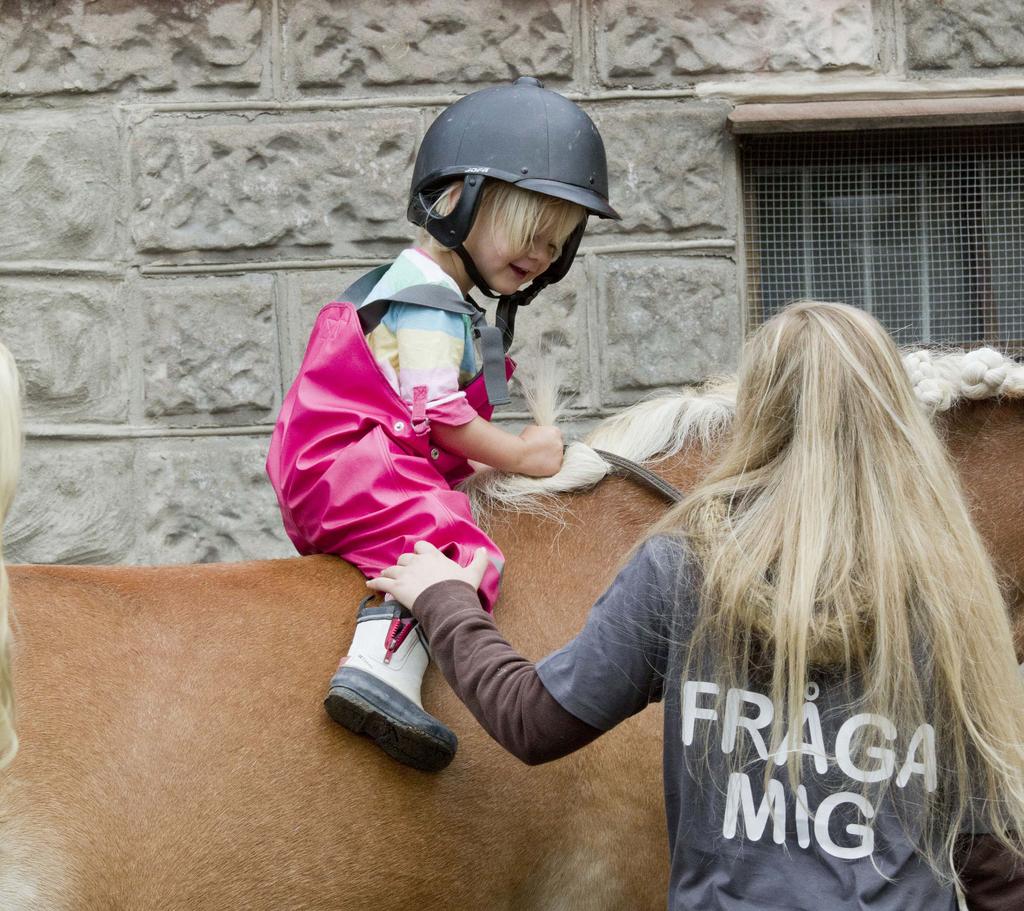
[{"x": 403, "y": 742}]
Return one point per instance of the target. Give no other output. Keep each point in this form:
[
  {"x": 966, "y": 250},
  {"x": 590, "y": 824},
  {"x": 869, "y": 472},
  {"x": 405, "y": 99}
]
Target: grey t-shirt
[{"x": 732, "y": 847}]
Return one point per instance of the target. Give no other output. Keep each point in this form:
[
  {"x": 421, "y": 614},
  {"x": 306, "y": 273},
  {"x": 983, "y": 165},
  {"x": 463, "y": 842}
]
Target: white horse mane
[{"x": 662, "y": 426}]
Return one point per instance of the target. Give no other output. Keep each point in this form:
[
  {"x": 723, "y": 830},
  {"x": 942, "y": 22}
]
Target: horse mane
[{"x": 663, "y": 425}]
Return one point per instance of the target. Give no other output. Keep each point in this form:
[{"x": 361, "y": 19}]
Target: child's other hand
[
  {"x": 416, "y": 572},
  {"x": 543, "y": 451}
]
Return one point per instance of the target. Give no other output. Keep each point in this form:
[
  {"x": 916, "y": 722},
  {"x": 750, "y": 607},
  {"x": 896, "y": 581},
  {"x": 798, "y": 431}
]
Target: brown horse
[{"x": 175, "y": 754}]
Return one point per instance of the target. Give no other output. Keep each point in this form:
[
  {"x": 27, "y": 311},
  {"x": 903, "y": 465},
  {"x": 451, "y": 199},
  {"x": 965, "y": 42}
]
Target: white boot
[{"x": 376, "y": 689}]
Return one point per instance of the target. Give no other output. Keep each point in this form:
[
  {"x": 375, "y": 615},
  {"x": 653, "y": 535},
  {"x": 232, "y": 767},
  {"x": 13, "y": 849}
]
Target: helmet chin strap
[
  {"x": 474, "y": 273},
  {"x": 505, "y": 316}
]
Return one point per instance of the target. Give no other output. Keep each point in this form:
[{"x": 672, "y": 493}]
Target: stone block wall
[{"x": 184, "y": 184}]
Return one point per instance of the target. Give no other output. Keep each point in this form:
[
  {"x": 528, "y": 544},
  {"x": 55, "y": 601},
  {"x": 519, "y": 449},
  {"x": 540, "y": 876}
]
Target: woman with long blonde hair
[
  {"x": 10, "y": 459},
  {"x": 844, "y": 716}
]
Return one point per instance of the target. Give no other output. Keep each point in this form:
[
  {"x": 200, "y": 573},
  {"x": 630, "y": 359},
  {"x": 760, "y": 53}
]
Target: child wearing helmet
[{"x": 391, "y": 404}]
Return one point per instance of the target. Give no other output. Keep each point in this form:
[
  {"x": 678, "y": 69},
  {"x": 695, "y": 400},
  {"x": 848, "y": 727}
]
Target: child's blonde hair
[
  {"x": 10, "y": 459},
  {"x": 512, "y": 216},
  {"x": 833, "y": 533}
]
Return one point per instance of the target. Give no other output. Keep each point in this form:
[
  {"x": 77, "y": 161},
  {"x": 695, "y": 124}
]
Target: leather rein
[{"x": 627, "y": 469}]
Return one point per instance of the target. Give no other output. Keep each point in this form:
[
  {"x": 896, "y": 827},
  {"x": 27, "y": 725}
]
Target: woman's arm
[
  {"x": 499, "y": 686},
  {"x": 993, "y": 878},
  {"x": 610, "y": 671}
]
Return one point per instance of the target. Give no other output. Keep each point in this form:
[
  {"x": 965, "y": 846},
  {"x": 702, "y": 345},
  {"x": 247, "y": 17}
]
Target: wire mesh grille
[{"x": 922, "y": 228}]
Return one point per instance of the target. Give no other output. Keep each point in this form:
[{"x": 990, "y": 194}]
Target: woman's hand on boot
[{"x": 416, "y": 572}]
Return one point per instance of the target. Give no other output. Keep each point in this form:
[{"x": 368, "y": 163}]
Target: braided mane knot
[
  {"x": 931, "y": 386},
  {"x": 940, "y": 379},
  {"x": 983, "y": 373}
]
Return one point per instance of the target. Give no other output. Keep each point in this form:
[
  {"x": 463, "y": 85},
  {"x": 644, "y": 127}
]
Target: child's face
[{"x": 507, "y": 271}]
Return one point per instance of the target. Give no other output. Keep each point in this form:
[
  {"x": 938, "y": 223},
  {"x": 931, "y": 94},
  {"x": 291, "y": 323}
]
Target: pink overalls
[{"x": 353, "y": 465}]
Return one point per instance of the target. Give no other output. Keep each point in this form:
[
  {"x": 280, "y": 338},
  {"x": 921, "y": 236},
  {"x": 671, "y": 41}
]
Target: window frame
[{"x": 876, "y": 114}]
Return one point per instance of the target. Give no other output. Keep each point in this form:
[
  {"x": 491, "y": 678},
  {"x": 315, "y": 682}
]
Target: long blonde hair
[
  {"x": 512, "y": 217},
  {"x": 832, "y": 534},
  {"x": 10, "y": 459}
]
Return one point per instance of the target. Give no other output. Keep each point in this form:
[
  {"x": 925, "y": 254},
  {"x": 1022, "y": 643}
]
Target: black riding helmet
[{"x": 522, "y": 134}]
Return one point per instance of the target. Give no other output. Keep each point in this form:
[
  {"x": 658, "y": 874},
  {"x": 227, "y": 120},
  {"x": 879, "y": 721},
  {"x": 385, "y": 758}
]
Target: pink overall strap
[{"x": 419, "y": 408}]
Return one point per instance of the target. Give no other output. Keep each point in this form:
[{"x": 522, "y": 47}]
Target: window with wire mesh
[{"x": 922, "y": 228}]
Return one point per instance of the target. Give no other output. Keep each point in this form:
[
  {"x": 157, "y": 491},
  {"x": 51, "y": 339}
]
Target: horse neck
[
  {"x": 986, "y": 442},
  {"x": 557, "y": 565}
]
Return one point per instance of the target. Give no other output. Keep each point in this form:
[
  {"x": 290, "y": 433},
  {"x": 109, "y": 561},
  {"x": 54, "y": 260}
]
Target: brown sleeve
[
  {"x": 993, "y": 878},
  {"x": 499, "y": 686}
]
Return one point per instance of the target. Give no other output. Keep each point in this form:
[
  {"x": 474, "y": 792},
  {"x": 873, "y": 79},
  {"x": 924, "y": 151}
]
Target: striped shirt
[{"x": 423, "y": 352}]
